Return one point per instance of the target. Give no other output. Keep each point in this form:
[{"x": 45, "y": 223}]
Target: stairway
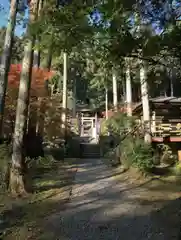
[{"x": 90, "y": 150}]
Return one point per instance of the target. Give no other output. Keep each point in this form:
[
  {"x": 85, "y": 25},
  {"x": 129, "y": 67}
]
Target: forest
[{"x": 111, "y": 55}]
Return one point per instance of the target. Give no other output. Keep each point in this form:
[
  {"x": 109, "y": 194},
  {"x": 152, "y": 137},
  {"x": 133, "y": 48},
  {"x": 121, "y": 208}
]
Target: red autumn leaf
[{"x": 39, "y": 76}]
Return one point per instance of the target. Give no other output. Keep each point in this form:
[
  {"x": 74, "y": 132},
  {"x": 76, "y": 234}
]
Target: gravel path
[{"x": 102, "y": 207}]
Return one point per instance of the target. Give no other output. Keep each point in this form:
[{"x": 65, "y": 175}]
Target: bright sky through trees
[{"x": 4, "y": 6}]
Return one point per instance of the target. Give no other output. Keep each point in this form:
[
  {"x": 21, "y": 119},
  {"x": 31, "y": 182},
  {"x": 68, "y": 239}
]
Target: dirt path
[{"x": 106, "y": 207}]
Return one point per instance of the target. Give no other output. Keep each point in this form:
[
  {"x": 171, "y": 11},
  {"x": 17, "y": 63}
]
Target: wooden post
[
  {"x": 82, "y": 126},
  {"x": 38, "y": 114},
  {"x": 153, "y": 123},
  {"x": 92, "y": 122},
  {"x": 74, "y": 99},
  {"x": 115, "y": 93},
  {"x": 96, "y": 126},
  {"x": 64, "y": 99},
  {"x": 179, "y": 155},
  {"x": 128, "y": 88},
  {"x": 79, "y": 123},
  {"x": 106, "y": 102}
]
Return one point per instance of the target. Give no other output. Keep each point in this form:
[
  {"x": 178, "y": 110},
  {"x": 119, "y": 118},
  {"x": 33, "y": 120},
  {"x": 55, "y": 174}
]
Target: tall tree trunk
[
  {"x": 115, "y": 93},
  {"x": 36, "y": 64},
  {"x": 171, "y": 82},
  {"x": 128, "y": 88},
  {"x": 145, "y": 103},
  {"x": 64, "y": 98},
  {"x": 49, "y": 58},
  {"x": 16, "y": 183},
  {"x": 37, "y": 54},
  {"x": 123, "y": 99},
  {"x": 74, "y": 98},
  {"x": 106, "y": 101},
  {"x": 6, "y": 58}
]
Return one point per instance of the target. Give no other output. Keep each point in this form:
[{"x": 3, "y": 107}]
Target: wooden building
[{"x": 165, "y": 115}]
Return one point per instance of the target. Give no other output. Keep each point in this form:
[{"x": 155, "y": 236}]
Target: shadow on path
[{"x": 102, "y": 208}]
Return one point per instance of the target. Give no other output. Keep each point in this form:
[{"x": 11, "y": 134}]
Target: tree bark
[
  {"x": 74, "y": 98},
  {"x": 128, "y": 88},
  {"x": 64, "y": 98},
  {"x": 106, "y": 102},
  {"x": 6, "y": 58},
  {"x": 49, "y": 58},
  {"x": 37, "y": 55},
  {"x": 17, "y": 174},
  {"x": 37, "y": 52},
  {"x": 115, "y": 94},
  {"x": 171, "y": 82},
  {"x": 145, "y": 103}
]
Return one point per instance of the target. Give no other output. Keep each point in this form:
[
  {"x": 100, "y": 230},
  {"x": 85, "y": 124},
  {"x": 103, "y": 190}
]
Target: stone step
[{"x": 90, "y": 150}]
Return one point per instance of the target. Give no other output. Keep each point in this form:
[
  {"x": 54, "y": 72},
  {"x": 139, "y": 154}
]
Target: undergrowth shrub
[
  {"x": 119, "y": 124},
  {"x": 4, "y": 165},
  {"x": 113, "y": 131},
  {"x": 40, "y": 162},
  {"x": 32, "y": 165},
  {"x": 167, "y": 154},
  {"x": 176, "y": 170},
  {"x": 135, "y": 152},
  {"x": 126, "y": 144}
]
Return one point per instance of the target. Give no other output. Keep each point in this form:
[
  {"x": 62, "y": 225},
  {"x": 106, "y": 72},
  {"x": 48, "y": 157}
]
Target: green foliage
[
  {"x": 126, "y": 145},
  {"x": 117, "y": 128},
  {"x": 17, "y": 50},
  {"x": 2, "y": 37},
  {"x": 96, "y": 45},
  {"x": 135, "y": 152},
  {"x": 119, "y": 124},
  {"x": 40, "y": 162},
  {"x": 4, "y": 165},
  {"x": 69, "y": 25},
  {"x": 167, "y": 154},
  {"x": 176, "y": 170},
  {"x": 55, "y": 84}
]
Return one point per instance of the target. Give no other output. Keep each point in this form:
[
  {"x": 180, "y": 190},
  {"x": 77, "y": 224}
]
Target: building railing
[{"x": 160, "y": 129}]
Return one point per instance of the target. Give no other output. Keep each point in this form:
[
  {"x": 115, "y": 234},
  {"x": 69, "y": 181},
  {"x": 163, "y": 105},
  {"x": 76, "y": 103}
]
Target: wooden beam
[{"x": 161, "y": 139}]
